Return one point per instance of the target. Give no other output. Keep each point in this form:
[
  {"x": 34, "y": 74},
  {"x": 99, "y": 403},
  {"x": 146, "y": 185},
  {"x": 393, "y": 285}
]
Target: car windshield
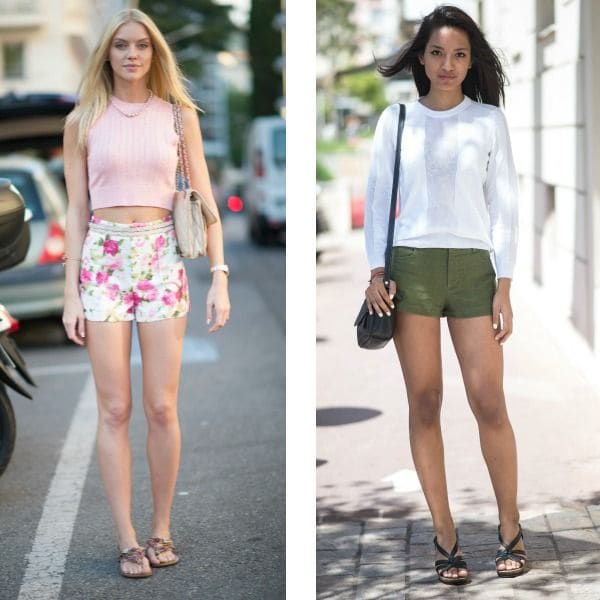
[
  {"x": 279, "y": 147},
  {"x": 23, "y": 181}
]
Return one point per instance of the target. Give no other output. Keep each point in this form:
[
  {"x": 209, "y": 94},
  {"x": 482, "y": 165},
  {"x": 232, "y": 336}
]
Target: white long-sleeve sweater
[{"x": 458, "y": 186}]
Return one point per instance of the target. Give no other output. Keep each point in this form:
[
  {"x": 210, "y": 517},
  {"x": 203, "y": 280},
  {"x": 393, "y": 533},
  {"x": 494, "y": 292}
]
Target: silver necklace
[{"x": 135, "y": 114}]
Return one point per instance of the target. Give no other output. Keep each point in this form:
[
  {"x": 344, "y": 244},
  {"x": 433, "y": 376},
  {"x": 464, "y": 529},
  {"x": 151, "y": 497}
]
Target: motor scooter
[
  {"x": 10, "y": 360},
  {"x": 14, "y": 243}
]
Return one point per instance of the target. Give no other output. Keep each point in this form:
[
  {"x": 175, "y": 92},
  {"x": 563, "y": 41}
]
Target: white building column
[{"x": 590, "y": 25}]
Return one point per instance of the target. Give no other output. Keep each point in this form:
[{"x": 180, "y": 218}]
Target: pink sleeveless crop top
[{"x": 132, "y": 160}]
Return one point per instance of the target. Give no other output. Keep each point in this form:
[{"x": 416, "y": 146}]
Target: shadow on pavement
[
  {"x": 393, "y": 558},
  {"x": 369, "y": 502},
  {"x": 332, "y": 278},
  {"x": 344, "y": 415}
]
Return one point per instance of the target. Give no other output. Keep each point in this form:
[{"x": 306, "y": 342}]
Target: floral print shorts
[{"x": 132, "y": 271}]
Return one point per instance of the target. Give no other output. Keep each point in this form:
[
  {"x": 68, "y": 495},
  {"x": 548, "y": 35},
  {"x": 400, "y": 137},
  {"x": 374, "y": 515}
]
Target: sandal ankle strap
[
  {"x": 449, "y": 555},
  {"x": 516, "y": 540}
]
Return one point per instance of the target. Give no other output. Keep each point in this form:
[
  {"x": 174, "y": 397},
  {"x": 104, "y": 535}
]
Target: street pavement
[
  {"x": 229, "y": 509},
  {"x": 374, "y": 535}
]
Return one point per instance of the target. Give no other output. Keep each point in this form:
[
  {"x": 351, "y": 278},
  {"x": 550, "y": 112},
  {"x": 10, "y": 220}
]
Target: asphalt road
[{"x": 229, "y": 512}]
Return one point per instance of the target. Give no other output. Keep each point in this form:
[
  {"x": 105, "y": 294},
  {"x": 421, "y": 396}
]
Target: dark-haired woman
[{"x": 458, "y": 208}]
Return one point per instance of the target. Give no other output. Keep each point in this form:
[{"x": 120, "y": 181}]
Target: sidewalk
[
  {"x": 393, "y": 558},
  {"x": 374, "y": 537}
]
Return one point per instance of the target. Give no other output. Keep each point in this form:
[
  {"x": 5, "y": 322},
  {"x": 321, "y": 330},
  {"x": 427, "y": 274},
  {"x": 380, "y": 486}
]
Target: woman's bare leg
[
  {"x": 417, "y": 340},
  {"x": 482, "y": 365},
  {"x": 109, "y": 346},
  {"x": 161, "y": 344}
]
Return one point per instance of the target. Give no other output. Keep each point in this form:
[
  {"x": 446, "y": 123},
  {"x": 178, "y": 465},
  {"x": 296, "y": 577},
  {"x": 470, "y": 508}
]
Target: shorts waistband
[
  {"x": 131, "y": 229},
  {"x": 449, "y": 251}
]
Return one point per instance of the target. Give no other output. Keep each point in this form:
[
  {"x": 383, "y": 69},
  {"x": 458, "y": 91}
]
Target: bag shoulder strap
[
  {"x": 394, "y": 198},
  {"x": 182, "y": 175}
]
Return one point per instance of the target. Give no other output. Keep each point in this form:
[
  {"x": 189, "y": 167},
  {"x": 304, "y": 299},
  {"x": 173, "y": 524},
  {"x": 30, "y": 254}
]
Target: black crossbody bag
[{"x": 373, "y": 331}]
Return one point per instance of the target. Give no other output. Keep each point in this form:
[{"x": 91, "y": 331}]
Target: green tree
[
  {"x": 336, "y": 32},
  {"x": 265, "y": 48},
  {"x": 191, "y": 27},
  {"x": 367, "y": 86},
  {"x": 239, "y": 117}
]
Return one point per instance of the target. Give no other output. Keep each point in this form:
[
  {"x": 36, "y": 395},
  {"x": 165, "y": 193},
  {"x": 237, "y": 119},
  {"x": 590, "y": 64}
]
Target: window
[
  {"x": 545, "y": 14},
  {"x": 12, "y": 58},
  {"x": 279, "y": 147}
]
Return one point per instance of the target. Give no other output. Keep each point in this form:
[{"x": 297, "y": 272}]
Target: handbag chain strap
[
  {"x": 393, "y": 201},
  {"x": 182, "y": 174}
]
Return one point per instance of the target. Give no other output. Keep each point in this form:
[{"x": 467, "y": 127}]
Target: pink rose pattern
[
  {"x": 110, "y": 246},
  {"x": 139, "y": 277}
]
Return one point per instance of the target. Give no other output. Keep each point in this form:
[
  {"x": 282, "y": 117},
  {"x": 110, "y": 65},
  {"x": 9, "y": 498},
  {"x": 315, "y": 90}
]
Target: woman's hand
[
  {"x": 73, "y": 319},
  {"x": 217, "y": 302},
  {"x": 379, "y": 299},
  {"x": 502, "y": 315}
]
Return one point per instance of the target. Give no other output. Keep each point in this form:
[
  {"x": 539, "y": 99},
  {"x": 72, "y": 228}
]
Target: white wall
[{"x": 545, "y": 108}]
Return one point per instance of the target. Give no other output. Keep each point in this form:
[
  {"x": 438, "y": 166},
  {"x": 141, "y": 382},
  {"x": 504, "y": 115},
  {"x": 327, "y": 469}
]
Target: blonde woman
[{"x": 121, "y": 262}]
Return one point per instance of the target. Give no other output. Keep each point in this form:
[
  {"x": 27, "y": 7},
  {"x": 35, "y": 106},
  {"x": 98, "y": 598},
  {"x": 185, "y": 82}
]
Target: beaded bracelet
[{"x": 66, "y": 258}]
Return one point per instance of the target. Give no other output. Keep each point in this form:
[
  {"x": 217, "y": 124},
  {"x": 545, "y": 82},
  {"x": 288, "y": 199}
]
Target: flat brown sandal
[
  {"x": 133, "y": 555},
  {"x": 159, "y": 546}
]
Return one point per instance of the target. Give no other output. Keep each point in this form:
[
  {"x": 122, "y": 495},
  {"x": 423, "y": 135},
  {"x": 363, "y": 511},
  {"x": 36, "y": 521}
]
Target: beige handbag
[{"x": 191, "y": 212}]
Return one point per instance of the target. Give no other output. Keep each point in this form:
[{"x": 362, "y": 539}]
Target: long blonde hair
[{"x": 165, "y": 78}]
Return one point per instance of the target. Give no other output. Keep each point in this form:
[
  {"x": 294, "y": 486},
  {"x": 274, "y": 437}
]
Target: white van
[{"x": 264, "y": 174}]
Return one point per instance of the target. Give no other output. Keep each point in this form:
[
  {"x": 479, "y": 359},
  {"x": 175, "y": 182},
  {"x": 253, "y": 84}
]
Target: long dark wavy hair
[{"x": 485, "y": 79}]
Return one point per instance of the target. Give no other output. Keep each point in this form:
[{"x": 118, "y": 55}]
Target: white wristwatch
[{"x": 223, "y": 268}]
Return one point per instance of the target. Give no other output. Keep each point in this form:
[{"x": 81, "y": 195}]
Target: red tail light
[
  {"x": 14, "y": 325},
  {"x": 54, "y": 247},
  {"x": 7, "y": 321},
  {"x": 235, "y": 204}
]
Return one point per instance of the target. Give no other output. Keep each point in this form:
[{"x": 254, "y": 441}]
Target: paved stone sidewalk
[{"x": 393, "y": 558}]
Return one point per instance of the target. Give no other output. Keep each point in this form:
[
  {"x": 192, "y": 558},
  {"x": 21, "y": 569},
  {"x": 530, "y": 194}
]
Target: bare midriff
[{"x": 131, "y": 214}]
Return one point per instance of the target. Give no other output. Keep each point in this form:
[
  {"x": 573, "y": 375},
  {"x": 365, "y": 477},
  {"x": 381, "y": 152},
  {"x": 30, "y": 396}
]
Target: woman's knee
[
  {"x": 115, "y": 412},
  {"x": 425, "y": 407},
  {"x": 489, "y": 409},
  {"x": 161, "y": 412}
]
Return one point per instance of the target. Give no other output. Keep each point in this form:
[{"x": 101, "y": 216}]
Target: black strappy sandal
[
  {"x": 450, "y": 562},
  {"x": 509, "y": 553}
]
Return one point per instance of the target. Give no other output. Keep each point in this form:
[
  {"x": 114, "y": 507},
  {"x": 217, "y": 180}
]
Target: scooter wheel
[{"x": 8, "y": 428}]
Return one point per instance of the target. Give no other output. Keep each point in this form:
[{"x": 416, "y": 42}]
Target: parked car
[
  {"x": 264, "y": 179},
  {"x": 35, "y": 287},
  {"x": 33, "y": 123},
  {"x": 31, "y": 130}
]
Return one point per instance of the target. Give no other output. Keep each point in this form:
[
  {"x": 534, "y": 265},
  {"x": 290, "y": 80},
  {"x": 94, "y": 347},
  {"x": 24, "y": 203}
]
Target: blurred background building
[
  {"x": 232, "y": 53},
  {"x": 552, "y": 58},
  {"x": 45, "y": 43}
]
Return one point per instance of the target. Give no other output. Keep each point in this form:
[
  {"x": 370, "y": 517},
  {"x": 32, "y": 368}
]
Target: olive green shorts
[{"x": 443, "y": 282}]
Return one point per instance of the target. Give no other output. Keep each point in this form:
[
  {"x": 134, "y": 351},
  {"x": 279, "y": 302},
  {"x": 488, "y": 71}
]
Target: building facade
[
  {"x": 553, "y": 60},
  {"x": 44, "y": 43}
]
